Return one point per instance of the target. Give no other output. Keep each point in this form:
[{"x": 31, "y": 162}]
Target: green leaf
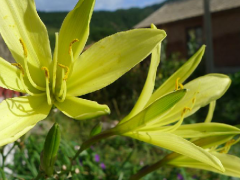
[
  {"x": 183, "y": 73},
  {"x": 81, "y": 109},
  {"x": 152, "y": 113},
  {"x": 107, "y": 60}
]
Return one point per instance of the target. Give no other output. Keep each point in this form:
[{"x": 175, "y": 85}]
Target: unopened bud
[{"x": 50, "y": 150}]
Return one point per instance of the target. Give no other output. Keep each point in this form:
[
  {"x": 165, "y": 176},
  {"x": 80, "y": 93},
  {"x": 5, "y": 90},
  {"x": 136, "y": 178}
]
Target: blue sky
[{"x": 67, "y": 5}]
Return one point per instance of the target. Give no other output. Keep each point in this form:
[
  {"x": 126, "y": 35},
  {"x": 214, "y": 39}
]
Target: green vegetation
[{"x": 103, "y": 23}]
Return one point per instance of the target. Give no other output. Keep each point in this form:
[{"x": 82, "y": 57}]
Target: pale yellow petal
[
  {"x": 179, "y": 145},
  {"x": 75, "y": 26},
  {"x": 201, "y": 92},
  {"x": 148, "y": 86},
  {"x": 10, "y": 76},
  {"x": 19, "y": 115},
  {"x": 230, "y": 163},
  {"x": 200, "y": 130},
  {"x": 107, "y": 60},
  {"x": 183, "y": 73},
  {"x": 19, "y": 19},
  {"x": 81, "y": 109}
]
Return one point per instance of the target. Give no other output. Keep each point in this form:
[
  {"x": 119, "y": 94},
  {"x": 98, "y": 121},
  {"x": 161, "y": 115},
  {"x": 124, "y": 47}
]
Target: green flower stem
[
  {"x": 143, "y": 172},
  {"x": 93, "y": 140},
  {"x": 3, "y": 174},
  {"x": 39, "y": 176}
]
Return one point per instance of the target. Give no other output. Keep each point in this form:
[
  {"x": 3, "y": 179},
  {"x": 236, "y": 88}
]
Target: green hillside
[{"x": 103, "y": 23}]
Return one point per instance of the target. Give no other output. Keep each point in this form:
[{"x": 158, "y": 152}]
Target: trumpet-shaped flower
[
  {"x": 217, "y": 146},
  {"x": 215, "y": 138},
  {"x": 56, "y": 81},
  {"x": 152, "y": 117}
]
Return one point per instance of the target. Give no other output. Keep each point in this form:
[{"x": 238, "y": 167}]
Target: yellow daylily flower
[
  {"x": 56, "y": 82},
  {"x": 152, "y": 117},
  {"x": 214, "y": 138},
  {"x": 217, "y": 146}
]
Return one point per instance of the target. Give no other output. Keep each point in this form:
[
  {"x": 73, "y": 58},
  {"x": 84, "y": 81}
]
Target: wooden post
[{"x": 208, "y": 37}]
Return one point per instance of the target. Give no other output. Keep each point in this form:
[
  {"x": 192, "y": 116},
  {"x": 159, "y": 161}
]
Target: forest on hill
[{"x": 103, "y": 23}]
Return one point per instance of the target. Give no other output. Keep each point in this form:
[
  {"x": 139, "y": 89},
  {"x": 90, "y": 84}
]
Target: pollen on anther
[
  {"x": 45, "y": 69},
  {"x": 185, "y": 110},
  {"x": 177, "y": 84},
  {"x": 24, "y": 47},
  {"x": 70, "y": 45},
  {"x": 66, "y": 69},
  {"x": 19, "y": 66}
]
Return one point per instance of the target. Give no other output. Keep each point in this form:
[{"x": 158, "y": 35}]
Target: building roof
[{"x": 179, "y": 10}]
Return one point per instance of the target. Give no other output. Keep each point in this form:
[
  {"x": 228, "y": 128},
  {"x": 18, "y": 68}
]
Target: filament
[
  {"x": 25, "y": 53},
  {"x": 47, "y": 77}
]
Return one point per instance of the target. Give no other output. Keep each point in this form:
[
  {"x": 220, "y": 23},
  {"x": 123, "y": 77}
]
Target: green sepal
[{"x": 50, "y": 150}]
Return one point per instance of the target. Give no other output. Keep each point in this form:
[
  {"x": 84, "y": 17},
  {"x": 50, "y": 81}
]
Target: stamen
[
  {"x": 19, "y": 66},
  {"x": 228, "y": 145},
  {"x": 66, "y": 71},
  {"x": 61, "y": 99},
  {"x": 178, "y": 124},
  {"x": 26, "y": 67},
  {"x": 63, "y": 91},
  {"x": 24, "y": 48},
  {"x": 46, "y": 72},
  {"x": 70, "y": 46},
  {"x": 47, "y": 76},
  {"x": 185, "y": 110},
  {"x": 22, "y": 81},
  {"x": 176, "y": 84},
  {"x": 181, "y": 86}
]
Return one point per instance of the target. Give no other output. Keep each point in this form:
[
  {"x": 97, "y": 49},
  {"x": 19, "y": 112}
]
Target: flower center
[{"x": 64, "y": 72}]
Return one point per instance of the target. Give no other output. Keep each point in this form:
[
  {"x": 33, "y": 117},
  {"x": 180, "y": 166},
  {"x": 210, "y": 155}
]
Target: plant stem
[
  {"x": 38, "y": 176},
  {"x": 146, "y": 170},
  {"x": 3, "y": 174},
  {"x": 143, "y": 172}
]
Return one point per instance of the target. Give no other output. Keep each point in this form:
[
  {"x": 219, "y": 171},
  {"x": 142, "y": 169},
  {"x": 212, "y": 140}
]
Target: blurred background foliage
[{"x": 117, "y": 157}]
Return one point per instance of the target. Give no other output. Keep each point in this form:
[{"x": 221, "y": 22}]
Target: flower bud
[{"x": 50, "y": 150}]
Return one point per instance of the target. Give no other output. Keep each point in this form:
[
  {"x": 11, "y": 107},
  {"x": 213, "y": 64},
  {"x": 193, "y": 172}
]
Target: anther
[
  {"x": 24, "y": 47},
  {"x": 66, "y": 71},
  {"x": 177, "y": 84},
  {"x": 19, "y": 66},
  {"x": 193, "y": 100},
  {"x": 45, "y": 69},
  {"x": 181, "y": 86},
  {"x": 185, "y": 110},
  {"x": 70, "y": 46}
]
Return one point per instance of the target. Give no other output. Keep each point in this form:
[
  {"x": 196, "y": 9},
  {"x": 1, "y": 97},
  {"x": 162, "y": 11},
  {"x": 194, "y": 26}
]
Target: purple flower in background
[
  {"x": 97, "y": 158},
  {"x": 180, "y": 177},
  {"x": 102, "y": 165}
]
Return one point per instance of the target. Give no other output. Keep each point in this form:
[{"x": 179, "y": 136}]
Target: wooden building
[{"x": 184, "y": 23}]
